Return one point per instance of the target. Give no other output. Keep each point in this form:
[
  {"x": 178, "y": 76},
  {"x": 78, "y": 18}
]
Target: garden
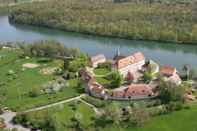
[
  {"x": 73, "y": 115},
  {"x": 27, "y": 82}
]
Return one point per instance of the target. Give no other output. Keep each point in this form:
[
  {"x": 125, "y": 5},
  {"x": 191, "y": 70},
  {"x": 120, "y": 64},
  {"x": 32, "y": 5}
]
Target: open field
[
  {"x": 176, "y": 121},
  {"x": 62, "y": 115},
  {"x": 16, "y": 82},
  {"x": 184, "y": 120}
]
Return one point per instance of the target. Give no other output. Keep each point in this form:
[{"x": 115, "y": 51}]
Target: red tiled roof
[
  {"x": 97, "y": 57},
  {"x": 96, "y": 88},
  {"x": 129, "y": 76},
  {"x": 175, "y": 79},
  {"x": 132, "y": 59},
  {"x": 138, "y": 90},
  {"x": 133, "y": 90},
  {"x": 118, "y": 93},
  {"x": 2, "y": 125},
  {"x": 167, "y": 70},
  {"x": 85, "y": 74}
]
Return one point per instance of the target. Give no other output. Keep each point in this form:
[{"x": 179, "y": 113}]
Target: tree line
[{"x": 133, "y": 20}]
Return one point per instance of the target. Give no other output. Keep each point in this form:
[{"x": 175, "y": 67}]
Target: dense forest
[
  {"x": 7, "y": 1},
  {"x": 141, "y": 20}
]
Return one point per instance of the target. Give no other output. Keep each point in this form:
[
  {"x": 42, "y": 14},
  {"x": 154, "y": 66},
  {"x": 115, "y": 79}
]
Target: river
[{"x": 165, "y": 53}]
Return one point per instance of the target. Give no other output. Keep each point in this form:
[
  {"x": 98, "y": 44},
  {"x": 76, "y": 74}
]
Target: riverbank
[{"x": 136, "y": 21}]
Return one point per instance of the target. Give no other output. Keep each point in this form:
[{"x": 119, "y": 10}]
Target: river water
[{"x": 165, "y": 53}]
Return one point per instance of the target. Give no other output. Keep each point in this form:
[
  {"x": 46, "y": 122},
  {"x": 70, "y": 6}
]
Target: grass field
[
  {"x": 101, "y": 71},
  {"x": 14, "y": 89},
  {"x": 184, "y": 120},
  {"x": 61, "y": 115}
]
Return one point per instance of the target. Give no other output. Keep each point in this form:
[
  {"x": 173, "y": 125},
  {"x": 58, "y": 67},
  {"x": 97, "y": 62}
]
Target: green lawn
[
  {"x": 103, "y": 81},
  {"x": 62, "y": 114},
  {"x": 14, "y": 89},
  {"x": 101, "y": 71},
  {"x": 7, "y": 56},
  {"x": 184, "y": 120}
]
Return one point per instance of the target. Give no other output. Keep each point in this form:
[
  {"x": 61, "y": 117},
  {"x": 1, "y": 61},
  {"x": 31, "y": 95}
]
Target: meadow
[{"x": 16, "y": 82}]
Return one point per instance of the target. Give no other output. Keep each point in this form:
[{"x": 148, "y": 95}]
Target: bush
[
  {"x": 34, "y": 92},
  {"x": 44, "y": 60},
  {"x": 1, "y": 110},
  {"x": 20, "y": 119},
  {"x": 59, "y": 71},
  {"x": 10, "y": 72},
  {"x": 117, "y": 79},
  {"x": 174, "y": 106},
  {"x": 105, "y": 65}
]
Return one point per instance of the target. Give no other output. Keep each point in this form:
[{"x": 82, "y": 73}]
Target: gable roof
[
  {"x": 97, "y": 58},
  {"x": 95, "y": 87},
  {"x": 85, "y": 75},
  {"x": 132, "y": 59},
  {"x": 167, "y": 70},
  {"x": 133, "y": 90},
  {"x": 138, "y": 90}
]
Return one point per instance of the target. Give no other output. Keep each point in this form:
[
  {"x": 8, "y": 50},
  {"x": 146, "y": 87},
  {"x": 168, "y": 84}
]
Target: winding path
[
  {"x": 54, "y": 104},
  {"x": 9, "y": 115}
]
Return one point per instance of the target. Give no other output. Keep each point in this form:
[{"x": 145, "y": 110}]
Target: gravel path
[
  {"x": 54, "y": 104},
  {"x": 8, "y": 116}
]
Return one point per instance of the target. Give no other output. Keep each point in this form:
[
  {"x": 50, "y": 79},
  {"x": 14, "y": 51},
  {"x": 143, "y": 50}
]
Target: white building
[
  {"x": 97, "y": 59},
  {"x": 130, "y": 64}
]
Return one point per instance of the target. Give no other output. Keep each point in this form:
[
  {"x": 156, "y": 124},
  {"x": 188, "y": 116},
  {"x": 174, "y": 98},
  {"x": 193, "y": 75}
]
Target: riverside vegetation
[{"x": 175, "y": 22}]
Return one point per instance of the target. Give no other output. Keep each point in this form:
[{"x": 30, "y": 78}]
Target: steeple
[
  {"x": 118, "y": 55},
  {"x": 118, "y": 52}
]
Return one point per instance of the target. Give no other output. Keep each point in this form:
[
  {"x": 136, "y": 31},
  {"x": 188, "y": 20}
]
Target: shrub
[
  {"x": 105, "y": 65},
  {"x": 174, "y": 106},
  {"x": 44, "y": 60},
  {"x": 116, "y": 78},
  {"x": 20, "y": 119},
  {"x": 1, "y": 110},
  {"x": 34, "y": 92},
  {"x": 10, "y": 72},
  {"x": 59, "y": 71}
]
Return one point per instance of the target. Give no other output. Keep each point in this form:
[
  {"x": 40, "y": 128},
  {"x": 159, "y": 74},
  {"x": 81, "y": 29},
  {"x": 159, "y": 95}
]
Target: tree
[
  {"x": 139, "y": 116},
  {"x": 117, "y": 79},
  {"x": 49, "y": 123},
  {"x": 76, "y": 124},
  {"x": 148, "y": 76},
  {"x": 185, "y": 68},
  {"x": 169, "y": 92},
  {"x": 192, "y": 74},
  {"x": 34, "y": 92},
  {"x": 114, "y": 113},
  {"x": 111, "y": 115}
]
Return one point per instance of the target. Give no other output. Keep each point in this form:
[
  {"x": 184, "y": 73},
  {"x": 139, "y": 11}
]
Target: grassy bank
[
  {"x": 141, "y": 21},
  {"x": 177, "y": 121}
]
